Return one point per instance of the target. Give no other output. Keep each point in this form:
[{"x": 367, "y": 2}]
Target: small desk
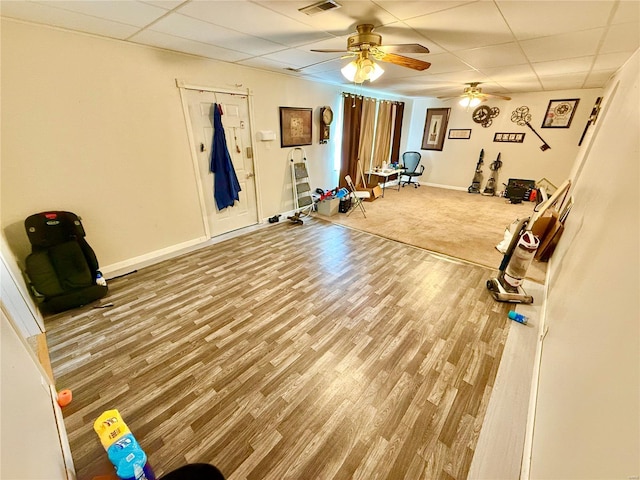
[{"x": 386, "y": 174}]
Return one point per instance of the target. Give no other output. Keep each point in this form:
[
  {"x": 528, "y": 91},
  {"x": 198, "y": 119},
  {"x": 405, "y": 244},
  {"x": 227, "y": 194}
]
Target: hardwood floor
[{"x": 292, "y": 352}]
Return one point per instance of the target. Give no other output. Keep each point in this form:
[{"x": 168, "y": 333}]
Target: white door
[{"x": 235, "y": 120}]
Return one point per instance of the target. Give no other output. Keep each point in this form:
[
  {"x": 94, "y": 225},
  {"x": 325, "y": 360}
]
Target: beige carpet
[{"x": 450, "y": 222}]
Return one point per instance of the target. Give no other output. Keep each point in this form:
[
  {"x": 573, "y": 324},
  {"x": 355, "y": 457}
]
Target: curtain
[
  {"x": 351, "y": 118},
  {"x": 397, "y": 132},
  {"x": 383, "y": 135},
  {"x": 366, "y": 138}
]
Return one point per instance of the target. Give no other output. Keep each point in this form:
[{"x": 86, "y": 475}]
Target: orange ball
[{"x": 64, "y": 397}]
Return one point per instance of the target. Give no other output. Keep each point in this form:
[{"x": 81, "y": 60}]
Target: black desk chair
[{"x": 411, "y": 161}]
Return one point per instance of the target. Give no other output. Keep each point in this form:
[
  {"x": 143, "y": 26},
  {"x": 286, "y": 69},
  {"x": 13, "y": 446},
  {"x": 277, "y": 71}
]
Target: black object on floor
[{"x": 62, "y": 267}]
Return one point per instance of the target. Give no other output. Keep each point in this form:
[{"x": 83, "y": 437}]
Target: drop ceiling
[{"x": 510, "y": 46}]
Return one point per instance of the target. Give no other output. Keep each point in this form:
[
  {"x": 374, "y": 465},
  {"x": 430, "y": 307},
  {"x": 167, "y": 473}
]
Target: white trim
[
  {"x": 254, "y": 152},
  {"x": 449, "y": 187},
  {"x": 206, "y": 88},
  {"x": 527, "y": 449},
  {"x": 62, "y": 435},
  {"x": 16, "y": 296},
  {"x": 194, "y": 162},
  {"x": 151, "y": 258}
]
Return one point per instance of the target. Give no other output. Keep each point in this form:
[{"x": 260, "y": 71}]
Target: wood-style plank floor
[{"x": 291, "y": 352}]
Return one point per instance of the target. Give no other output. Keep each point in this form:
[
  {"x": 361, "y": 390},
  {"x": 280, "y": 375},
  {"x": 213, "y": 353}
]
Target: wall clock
[{"x": 326, "y": 117}]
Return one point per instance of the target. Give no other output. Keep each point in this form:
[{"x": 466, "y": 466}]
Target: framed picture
[
  {"x": 295, "y": 126},
  {"x": 508, "y": 137},
  {"x": 560, "y": 113},
  {"x": 435, "y": 127},
  {"x": 460, "y": 133}
]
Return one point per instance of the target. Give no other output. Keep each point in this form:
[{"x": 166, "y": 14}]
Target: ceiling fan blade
[
  {"x": 496, "y": 95},
  {"x": 403, "y": 61},
  {"x": 403, "y": 48},
  {"x": 330, "y": 51}
]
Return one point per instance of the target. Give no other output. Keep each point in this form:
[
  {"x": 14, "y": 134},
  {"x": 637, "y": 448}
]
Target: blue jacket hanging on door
[{"x": 225, "y": 184}]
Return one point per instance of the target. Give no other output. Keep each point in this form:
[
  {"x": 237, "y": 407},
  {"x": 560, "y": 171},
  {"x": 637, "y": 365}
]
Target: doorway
[{"x": 237, "y": 129}]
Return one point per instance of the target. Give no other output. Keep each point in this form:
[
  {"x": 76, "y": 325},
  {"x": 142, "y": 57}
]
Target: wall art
[
  {"x": 295, "y": 126},
  {"x": 435, "y": 127},
  {"x": 460, "y": 133},
  {"x": 560, "y": 113}
]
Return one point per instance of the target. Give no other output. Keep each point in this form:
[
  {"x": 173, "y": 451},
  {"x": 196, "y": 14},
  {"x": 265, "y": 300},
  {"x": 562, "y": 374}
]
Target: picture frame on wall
[
  {"x": 459, "y": 133},
  {"x": 435, "y": 127},
  {"x": 295, "y": 126},
  {"x": 560, "y": 113}
]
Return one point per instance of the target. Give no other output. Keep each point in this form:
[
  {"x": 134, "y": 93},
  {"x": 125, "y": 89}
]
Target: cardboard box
[
  {"x": 329, "y": 207},
  {"x": 544, "y": 224},
  {"x": 374, "y": 193}
]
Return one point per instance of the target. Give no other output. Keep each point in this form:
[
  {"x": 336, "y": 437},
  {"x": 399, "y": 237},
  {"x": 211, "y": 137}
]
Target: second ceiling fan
[
  {"x": 367, "y": 46},
  {"x": 473, "y": 95}
]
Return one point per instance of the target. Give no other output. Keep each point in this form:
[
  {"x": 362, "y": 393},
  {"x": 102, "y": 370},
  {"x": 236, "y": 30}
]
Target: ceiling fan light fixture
[
  {"x": 470, "y": 102},
  {"x": 349, "y": 71},
  {"x": 362, "y": 69}
]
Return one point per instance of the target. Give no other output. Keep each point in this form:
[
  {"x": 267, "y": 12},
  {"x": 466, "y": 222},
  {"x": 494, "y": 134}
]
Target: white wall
[
  {"x": 587, "y": 423},
  {"x": 96, "y": 127},
  {"x": 454, "y": 166}
]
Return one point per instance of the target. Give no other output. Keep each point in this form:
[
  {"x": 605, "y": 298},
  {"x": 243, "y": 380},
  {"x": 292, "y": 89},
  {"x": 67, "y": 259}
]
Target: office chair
[
  {"x": 356, "y": 197},
  {"x": 411, "y": 160}
]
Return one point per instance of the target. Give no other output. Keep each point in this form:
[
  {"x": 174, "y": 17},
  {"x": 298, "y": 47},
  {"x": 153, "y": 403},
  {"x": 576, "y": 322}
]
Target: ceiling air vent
[{"x": 319, "y": 7}]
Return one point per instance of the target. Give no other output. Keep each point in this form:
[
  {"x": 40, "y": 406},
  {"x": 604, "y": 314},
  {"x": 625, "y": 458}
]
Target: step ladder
[{"x": 301, "y": 184}]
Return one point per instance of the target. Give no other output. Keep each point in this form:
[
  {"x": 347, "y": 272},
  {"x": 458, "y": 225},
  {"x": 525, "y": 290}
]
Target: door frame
[{"x": 182, "y": 87}]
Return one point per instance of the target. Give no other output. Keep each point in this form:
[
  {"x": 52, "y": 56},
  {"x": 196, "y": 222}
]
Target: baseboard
[
  {"x": 448, "y": 187},
  {"x": 132, "y": 264}
]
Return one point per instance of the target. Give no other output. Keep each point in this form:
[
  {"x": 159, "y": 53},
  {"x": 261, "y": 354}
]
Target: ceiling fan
[
  {"x": 367, "y": 46},
  {"x": 473, "y": 95}
]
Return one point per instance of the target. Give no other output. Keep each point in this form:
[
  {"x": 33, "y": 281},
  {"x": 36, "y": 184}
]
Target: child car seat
[{"x": 62, "y": 268}]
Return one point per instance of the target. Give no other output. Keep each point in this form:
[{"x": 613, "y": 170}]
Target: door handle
[{"x": 251, "y": 174}]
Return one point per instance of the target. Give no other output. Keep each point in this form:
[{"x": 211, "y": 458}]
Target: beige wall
[
  {"x": 454, "y": 166},
  {"x": 96, "y": 127},
  {"x": 587, "y": 423}
]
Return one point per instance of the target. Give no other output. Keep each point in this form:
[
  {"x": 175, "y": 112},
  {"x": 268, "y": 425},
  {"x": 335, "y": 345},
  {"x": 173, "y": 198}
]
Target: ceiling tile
[
  {"x": 610, "y": 61},
  {"x": 624, "y": 37},
  {"x": 169, "y": 42},
  {"x": 628, "y": 11},
  {"x": 254, "y": 20},
  {"x": 134, "y": 13},
  {"x": 445, "y": 63},
  {"x": 191, "y": 28},
  {"x": 571, "y": 65},
  {"x": 166, "y": 4},
  {"x": 48, "y": 15},
  {"x": 406, "y": 10},
  {"x": 528, "y": 20},
  {"x": 563, "y": 82},
  {"x": 493, "y": 56},
  {"x": 514, "y": 78},
  {"x": 464, "y": 27},
  {"x": 568, "y": 45},
  {"x": 296, "y": 57},
  {"x": 597, "y": 79},
  {"x": 340, "y": 21}
]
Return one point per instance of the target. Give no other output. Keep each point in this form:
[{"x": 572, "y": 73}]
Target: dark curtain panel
[
  {"x": 397, "y": 133},
  {"x": 351, "y": 118}
]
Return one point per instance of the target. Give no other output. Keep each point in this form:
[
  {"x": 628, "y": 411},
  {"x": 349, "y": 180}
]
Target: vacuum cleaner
[
  {"x": 477, "y": 177},
  {"x": 507, "y": 286},
  {"x": 490, "y": 188}
]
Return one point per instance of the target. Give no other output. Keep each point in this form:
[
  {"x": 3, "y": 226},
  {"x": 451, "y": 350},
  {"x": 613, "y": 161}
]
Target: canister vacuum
[{"x": 507, "y": 286}]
